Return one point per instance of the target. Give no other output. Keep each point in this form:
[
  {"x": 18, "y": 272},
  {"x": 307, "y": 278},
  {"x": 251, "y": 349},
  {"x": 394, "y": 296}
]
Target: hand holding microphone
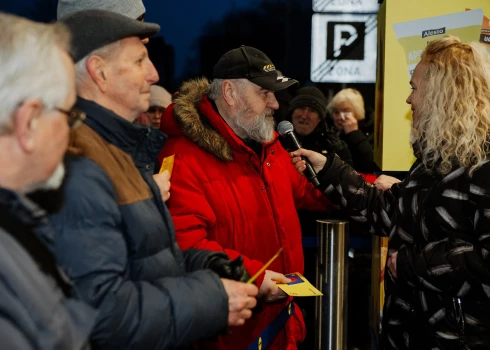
[{"x": 285, "y": 129}]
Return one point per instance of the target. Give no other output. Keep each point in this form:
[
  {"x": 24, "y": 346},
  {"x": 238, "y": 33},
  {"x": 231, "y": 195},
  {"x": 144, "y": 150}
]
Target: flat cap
[
  {"x": 93, "y": 29},
  {"x": 129, "y": 8}
]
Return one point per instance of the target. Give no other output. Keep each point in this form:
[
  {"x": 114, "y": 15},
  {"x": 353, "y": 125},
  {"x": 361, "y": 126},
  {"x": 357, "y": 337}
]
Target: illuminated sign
[
  {"x": 343, "y": 48},
  {"x": 356, "y": 6}
]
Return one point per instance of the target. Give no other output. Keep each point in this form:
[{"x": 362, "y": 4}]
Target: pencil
[{"x": 254, "y": 277}]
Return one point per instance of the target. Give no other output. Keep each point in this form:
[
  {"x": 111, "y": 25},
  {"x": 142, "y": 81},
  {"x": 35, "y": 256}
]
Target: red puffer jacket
[{"x": 224, "y": 197}]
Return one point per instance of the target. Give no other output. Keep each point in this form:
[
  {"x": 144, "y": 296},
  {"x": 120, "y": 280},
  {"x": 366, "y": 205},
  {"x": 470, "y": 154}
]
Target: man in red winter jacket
[{"x": 234, "y": 189}]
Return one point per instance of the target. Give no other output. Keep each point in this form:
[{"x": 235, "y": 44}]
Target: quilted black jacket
[{"x": 440, "y": 227}]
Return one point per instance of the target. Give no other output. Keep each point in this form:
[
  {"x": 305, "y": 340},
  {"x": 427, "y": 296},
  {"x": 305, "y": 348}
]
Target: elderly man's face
[
  {"x": 51, "y": 135},
  {"x": 305, "y": 120},
  {"x": 130, "y": 75},
  {"x": 254, "y": 115}
]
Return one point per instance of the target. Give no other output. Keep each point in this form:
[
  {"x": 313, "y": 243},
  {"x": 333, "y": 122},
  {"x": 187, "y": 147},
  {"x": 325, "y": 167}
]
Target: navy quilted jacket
[{"x": 115, "y": 237}]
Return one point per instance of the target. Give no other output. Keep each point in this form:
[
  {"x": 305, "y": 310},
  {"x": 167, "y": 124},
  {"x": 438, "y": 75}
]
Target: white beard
[
  {"x": 259, "y": 128},
  {"x": 52, "y": 183}
]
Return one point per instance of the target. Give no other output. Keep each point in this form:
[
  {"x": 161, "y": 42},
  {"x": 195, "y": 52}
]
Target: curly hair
[{"x": 453, "y": 130}]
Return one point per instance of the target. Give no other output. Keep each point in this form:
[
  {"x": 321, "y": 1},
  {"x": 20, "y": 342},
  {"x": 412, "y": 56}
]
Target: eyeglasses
[{"x": 75, "y": 116}]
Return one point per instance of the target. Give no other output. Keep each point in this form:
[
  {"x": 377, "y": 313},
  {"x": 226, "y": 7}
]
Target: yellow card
[
  {"x": 299, "y": 286},
  {"x": 167, "y": 164}
]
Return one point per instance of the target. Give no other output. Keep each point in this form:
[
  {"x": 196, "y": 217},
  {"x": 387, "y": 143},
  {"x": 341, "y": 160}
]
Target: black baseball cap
[
  {"x": 250, "y": 63},
  {"x": 93, "y": 29}
]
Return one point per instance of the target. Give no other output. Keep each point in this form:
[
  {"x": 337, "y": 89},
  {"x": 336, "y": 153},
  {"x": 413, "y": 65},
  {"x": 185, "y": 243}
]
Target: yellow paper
[
  {"x": 299, "y": 286},
  {"x": 167, "y": 164}
]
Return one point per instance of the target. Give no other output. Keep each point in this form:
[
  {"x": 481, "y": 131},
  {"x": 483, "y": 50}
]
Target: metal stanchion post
[{"x": 331, "y": 280}]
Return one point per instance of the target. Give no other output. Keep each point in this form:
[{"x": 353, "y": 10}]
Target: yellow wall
[{"x": 392, "y": 148}]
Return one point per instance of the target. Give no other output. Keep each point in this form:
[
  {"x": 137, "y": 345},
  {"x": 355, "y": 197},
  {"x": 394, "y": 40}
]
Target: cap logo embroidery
[
  {"x": 283, "y": 79},
  {"x": 269, "y": 68}
]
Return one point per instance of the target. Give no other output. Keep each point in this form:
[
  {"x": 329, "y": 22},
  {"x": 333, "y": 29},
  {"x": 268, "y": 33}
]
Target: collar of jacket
[
  {"x": 20, "y": 208},
  {"x": 203, "y": 125},
  {"x": 143, "y": 143}
]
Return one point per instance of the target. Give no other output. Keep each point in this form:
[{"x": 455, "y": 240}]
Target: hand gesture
[
  {"x": 391, "y": 264},
  {"x": 349, "y": 122},
  {"x": 384, "y": 182},
  {"x": 241, "y": 301},
  {"x": 163, "y": 182},
  {"x": 268, "y": 290},
  {"x": 317, "y": 160}
]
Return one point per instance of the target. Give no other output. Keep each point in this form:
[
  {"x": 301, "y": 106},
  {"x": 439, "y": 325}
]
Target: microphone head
[{"x": 285, "y": 127}]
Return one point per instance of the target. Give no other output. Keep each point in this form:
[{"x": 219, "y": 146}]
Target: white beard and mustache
[{"x": 259, "y": 128}]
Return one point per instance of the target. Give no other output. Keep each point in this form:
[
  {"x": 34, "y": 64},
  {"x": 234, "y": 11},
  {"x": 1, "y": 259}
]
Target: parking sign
[{"x": 343, "y": 48}]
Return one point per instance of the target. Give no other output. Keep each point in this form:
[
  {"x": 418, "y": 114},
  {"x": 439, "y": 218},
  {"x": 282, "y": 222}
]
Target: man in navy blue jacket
[{"x": 115, "y": 235}]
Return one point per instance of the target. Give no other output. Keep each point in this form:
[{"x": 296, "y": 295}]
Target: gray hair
[
  {"x": 105, "y": 52},
  {"x": 214, "y": 90},
  {"x": 30, "y": 61},
  {"x": 353, "y": 96}
]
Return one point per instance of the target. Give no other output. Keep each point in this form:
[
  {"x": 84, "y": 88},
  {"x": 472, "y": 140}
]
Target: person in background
[
  {"x": 114, "y": 233},
  {"x": 347, "y": 111},
  {"x": 159, "y": 101},
  {"x": 40, "y": 309},
  {"x": 307, "y": 112},
  {"x": 235, "y": 191},
  {"x": 437, "y": 279}
]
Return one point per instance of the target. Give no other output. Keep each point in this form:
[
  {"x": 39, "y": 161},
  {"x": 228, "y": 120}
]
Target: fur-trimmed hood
[{"x": 185, "y": 117}]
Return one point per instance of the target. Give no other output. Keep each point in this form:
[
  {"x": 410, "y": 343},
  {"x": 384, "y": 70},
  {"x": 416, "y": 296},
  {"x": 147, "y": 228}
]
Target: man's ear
[
  {"x": 26, "y": 123},
  {"x": 97, "y": 68},
  {"x": 229, "y": 92}
]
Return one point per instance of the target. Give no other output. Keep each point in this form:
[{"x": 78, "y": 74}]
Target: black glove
[{"x": 226, "y": 268}]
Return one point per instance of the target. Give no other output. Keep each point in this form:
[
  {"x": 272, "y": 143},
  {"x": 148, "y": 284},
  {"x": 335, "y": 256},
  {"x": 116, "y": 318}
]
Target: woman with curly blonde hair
[
  {"x": 437, "y": 279},
  {"x": 451, "y": 122}
]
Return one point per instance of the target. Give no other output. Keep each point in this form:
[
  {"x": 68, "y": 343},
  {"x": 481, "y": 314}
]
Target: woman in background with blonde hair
[
  {"x": 349, "y": 117},
  {"x": 437, "y": 219}
]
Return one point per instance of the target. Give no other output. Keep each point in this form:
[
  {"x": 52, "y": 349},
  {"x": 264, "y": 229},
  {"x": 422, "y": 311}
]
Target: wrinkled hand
[
  {"x": 163, "y": 182},
  {"x": 384, "y": 182},
  {"x": 269, "y": 291},
  {"x": 349, "y": 123},
  {"x": 317, "y": 160},
  {"x": 391, "y": 264},
  {"x": 241, "y": 301},
  {"x": 226, "y": 268}
]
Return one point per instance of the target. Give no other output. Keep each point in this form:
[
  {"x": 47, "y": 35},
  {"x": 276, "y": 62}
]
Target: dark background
[{"x": 195, "y": 33}]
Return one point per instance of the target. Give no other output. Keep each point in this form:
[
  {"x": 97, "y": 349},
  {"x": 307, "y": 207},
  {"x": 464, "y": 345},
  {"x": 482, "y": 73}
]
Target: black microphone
[{"x": 285, "y": 129}]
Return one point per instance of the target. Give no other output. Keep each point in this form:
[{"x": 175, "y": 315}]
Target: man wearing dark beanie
[{"x": 307, "y": 112}]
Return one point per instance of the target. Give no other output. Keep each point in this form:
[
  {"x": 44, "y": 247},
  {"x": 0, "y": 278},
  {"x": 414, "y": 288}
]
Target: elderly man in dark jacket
[
  {"x": 114, "y": 232},
  {"x": 39, "y": 308},
  {"x": 307, "y": 112}
]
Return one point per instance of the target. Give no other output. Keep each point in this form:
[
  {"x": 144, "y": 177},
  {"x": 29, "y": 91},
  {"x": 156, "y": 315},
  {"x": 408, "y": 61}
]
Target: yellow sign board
[{"x": 399, "y": 51}]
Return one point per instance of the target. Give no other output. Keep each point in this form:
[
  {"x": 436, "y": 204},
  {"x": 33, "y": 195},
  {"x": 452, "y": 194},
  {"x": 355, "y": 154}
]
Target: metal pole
[{"x": 331, "y": 279}]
